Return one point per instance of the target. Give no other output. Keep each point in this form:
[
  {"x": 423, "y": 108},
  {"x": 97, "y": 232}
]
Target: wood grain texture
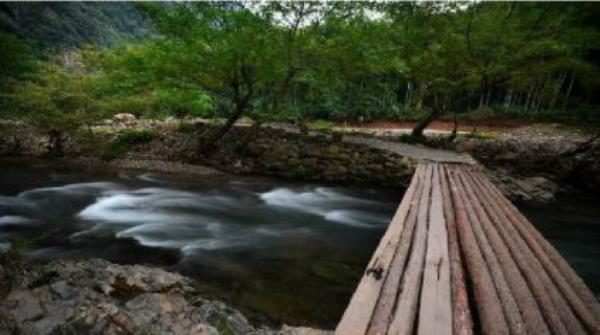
[
  {"x": 459, "y": 258},
  {"x": 403, "y": 321},
  {"x": 435, "y": 314},
  {"x": 360, "y": 310}
]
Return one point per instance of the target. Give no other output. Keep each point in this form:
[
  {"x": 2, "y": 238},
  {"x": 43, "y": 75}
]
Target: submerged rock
[{"x": 98, "y": 297}]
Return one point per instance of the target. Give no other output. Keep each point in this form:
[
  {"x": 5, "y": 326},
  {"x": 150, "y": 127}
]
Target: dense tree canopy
[{"x": 299, "y": 61}]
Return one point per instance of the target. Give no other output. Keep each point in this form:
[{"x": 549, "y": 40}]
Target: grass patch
[
  {"x": 321, "y": 125},
  {"x": 134, "y": 136},
  {"x": 124, "y": 140},
  {"x": 479, "y": 135}
]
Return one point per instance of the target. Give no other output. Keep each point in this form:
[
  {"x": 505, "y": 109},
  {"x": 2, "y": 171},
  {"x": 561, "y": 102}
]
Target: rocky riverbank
[
  {"x": 534, "y": 163},
  {"x": 98, "y": 297},
  {"x": 524, "y": 163},
  {"x": 245, "y": 150}
]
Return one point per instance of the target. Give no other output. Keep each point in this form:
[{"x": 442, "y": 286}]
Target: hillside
[{"x": 72, "y": 24}]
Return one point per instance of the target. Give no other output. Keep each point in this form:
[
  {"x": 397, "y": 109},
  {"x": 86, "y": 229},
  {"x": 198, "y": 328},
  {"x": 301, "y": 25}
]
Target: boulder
[
  {"x": 124, "y": 118},
  {"x": 98, "y": 297}
]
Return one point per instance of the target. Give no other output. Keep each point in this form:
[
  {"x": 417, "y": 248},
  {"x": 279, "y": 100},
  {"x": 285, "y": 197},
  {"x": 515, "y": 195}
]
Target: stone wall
[
  {"x": 280, "y": 153},
  {"x": 245, "y": 150},
  {"x": 534, "y": 158}
]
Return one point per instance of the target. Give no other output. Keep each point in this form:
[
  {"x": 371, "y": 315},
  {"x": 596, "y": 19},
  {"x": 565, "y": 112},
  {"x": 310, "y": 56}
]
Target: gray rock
[
  {"x": 98, "y": 297},
  {"x": 531, "y": 189}
]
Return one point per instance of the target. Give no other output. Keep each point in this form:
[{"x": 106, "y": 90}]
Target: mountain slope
[{"x": 72, "y": 24}]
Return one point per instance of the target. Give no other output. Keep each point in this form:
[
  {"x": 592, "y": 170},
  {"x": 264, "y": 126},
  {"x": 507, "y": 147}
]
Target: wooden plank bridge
[{"x": 459, "y": 258}]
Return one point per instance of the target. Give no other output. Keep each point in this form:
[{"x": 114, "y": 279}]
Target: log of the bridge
[
  {"x": 383, "y": 312},
  {"x": 435, "y": 314},
  {"x": 523, "y": 256},
  {"x": 408, "y": 300},
  {"x": 462, "y": 323},
  {"x": 488, "y": 305},
  {"x": 454, "y": 233},
  {"x": 360, "y": 310},
  {"x": 562, "y": 288},
  {"x": 532, "y": 316},
  {"x": 507, "y": 300}
]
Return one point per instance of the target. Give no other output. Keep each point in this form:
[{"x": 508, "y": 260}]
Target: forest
[{"x": 305, "y": 61}]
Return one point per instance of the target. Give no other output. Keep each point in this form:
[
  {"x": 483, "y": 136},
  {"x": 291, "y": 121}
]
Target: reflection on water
[
  {"x": 288, "y": 252},
  {"x": 292, "y": 252}
]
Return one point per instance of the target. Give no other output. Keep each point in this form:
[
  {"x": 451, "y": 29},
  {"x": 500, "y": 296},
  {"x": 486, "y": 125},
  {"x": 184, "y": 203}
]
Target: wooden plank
[
  {"x": 358, "y": 313},
  {"x": 533, "y": 319},
  {"x": 435, "y": 314},
  {"x": 387, "y": 299},
  {"x": 406, "y": 308},
  {"x": 507, "y": 300},
  {"x": 491, "y": 316},
  {"x": 462, "y": 323},
  {"x": 528, "y": 266},
  {"x": 451, "y": 225},
  {"x": 558, "y": 267},
  {"x": 558, "y": 288}
]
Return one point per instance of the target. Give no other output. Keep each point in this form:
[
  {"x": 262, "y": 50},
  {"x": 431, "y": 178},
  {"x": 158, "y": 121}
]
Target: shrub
[
  {"x": 134, "y": 136},
  {"x": 124, "y": 140},
  {"x": 181, "y": 102}
]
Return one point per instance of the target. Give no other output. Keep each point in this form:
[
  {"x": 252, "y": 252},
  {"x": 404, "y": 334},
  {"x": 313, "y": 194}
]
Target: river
[{"x": 278, "y": 250}]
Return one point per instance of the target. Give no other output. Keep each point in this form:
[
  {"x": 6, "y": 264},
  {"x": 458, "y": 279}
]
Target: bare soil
[{"x": 488, "y": 126}]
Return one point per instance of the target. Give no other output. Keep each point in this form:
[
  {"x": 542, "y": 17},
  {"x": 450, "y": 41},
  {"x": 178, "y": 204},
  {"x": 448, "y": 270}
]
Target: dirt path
[
  {"x": 413, "y": 151},
  {"x": 417, "y": 152},
  {"x": 499, "y": 126}
]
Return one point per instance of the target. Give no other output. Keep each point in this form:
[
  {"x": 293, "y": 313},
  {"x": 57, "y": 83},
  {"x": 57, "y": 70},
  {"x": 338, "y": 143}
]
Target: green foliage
[
  {"x": 16, "y": 59},
  {"x": 182, "y": 103},
  {"x": 124, "y": 140},
  {"x": 128, "y": 137},
  {"x": 55, "y": 25},
  {"x": 303, "y": 61},
  {"x": 133, "y": 104},
  {"x": 321, "y": 125},
  {"x": 55, "y": 99}
]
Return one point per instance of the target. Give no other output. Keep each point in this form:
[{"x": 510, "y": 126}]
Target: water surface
[
  {"x": 279, "y": 251},
  {"x": 283, "y": 251}
]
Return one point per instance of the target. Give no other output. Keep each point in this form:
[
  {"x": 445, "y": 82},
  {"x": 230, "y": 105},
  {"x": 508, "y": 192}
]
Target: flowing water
[
  {"x": 279, "y": 251},
  {"x": 284, "y": 251}
]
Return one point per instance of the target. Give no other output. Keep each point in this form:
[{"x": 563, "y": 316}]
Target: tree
[
  {"x": 226, "y": 49},
  {"x": 56, "y": 102},
  {"x": 16, "y": 59}
]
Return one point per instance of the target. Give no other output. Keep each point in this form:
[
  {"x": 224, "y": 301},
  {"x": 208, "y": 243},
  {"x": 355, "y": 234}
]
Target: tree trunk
[
  {"x": 557, "y": 88},
  {"x": 568, "y": 94},
  {"x": 240, "y": 108},
  {"x": 454, "y": 133},
  {"x": 421, "y": 125},
  {"x": 55, "y": 143},
  {"x": 408, "y": 95},
  {"x": 528, "y": 98}
]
